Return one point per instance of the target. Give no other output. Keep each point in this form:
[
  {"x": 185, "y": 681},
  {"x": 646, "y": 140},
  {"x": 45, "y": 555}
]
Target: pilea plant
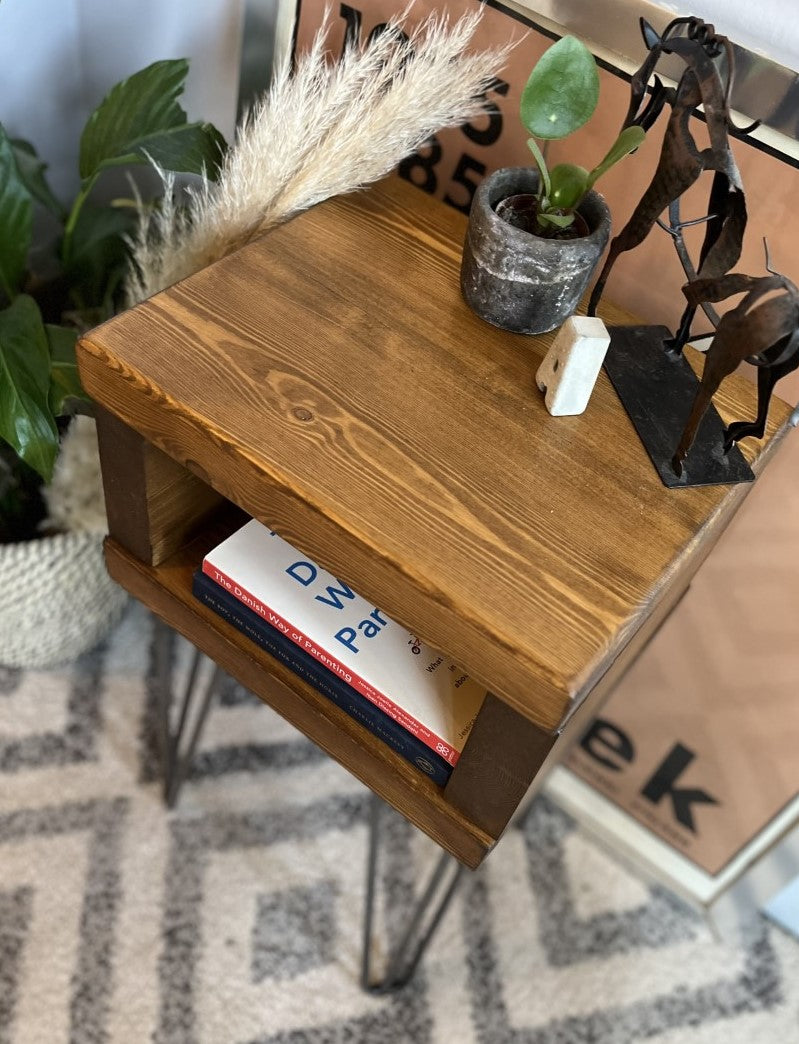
[
  {"x": 558, "y": 98},
  {"x": 61, "y": 268}
]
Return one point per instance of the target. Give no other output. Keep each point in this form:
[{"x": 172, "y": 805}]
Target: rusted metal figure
[
  {"x": 763, "y": 332},
  {"x": 681, "y": 162}
]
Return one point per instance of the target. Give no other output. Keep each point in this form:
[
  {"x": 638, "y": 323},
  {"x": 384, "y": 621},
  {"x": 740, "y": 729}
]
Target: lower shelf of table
[{"x": 166, "y": 590}]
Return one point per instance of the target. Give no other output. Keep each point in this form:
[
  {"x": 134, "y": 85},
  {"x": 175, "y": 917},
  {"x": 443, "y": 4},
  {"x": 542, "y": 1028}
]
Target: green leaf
[
  {"x": 26, "y": 422},
  {"x": 16, "y": 220},
  {"x": 569, "y": 185},
  {"x": 31, "y": 170},
  {"x": 196, "y": 148},
  {"x": 97, "y": 224},
  {"x": 558, "y": 220},
  {"x": 629, "y": 140},
  {"x": 97, "y": 252},
  {"x": 141, "y": 117},
  {"x": 136, "y": 108},
  {"x": 562, "y": 91},
  {"x": 541, "y": 163},
  {"x": 66, "y": 392}
]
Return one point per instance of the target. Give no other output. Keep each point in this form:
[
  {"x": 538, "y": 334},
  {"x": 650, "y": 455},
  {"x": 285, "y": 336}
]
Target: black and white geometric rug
[{"x": 236, "y": 918}]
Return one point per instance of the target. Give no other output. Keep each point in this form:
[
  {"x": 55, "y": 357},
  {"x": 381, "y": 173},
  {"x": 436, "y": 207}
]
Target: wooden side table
[{"x": 330, "y": 381}]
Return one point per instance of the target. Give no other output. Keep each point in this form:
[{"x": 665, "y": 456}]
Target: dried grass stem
[{"x": 323, "y": 130}]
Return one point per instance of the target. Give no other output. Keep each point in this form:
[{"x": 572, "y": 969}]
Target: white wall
[
  {"x": 58, "y": 58},
  {"x": 768, "y": 27}
]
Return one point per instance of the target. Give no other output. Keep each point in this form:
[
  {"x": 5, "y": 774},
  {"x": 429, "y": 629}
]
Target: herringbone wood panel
[{"x": 721, "y": 679}]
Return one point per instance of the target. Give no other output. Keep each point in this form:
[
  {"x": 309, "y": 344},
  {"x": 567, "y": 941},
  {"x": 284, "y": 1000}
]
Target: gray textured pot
[{"x": 519, "y": 281}]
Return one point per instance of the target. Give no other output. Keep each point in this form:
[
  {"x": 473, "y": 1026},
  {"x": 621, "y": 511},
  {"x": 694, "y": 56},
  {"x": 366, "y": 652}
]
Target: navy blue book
[{"x": 307, "y": 667}]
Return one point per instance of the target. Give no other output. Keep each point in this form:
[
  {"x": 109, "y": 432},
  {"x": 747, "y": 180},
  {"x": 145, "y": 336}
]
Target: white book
[{"x": 415, "y": 685}]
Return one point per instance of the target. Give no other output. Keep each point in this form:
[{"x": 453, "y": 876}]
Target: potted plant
[
  {"x": 117, "y": 254},
  {"x": 535, "y": 235},
  {"x": 61, "y": 271}
]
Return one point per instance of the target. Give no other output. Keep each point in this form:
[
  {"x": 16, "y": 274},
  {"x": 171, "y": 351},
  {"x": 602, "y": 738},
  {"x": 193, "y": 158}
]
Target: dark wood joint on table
[
  {"x": 503, "y": 754},
  {"x": 154, "y": 505}
]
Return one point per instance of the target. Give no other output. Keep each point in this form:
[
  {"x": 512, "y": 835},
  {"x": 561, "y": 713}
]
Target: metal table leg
[
  {"x": 425, "y": 915},
  {"x": 176, "y": 762},
  {"x": 423, "y": 919}
]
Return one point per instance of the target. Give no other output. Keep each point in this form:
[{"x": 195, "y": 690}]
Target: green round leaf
[
  {"x": 562, "y": 92},
  {"x": 569, "y": 184}
]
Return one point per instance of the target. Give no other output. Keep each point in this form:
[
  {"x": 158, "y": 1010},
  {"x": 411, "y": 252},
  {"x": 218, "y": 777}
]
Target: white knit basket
[{"x": 56, "y": 599}]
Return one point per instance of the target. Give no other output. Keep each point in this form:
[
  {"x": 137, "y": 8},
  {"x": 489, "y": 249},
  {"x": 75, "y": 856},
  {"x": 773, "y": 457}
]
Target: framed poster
[{"x": 455, "y": 161}]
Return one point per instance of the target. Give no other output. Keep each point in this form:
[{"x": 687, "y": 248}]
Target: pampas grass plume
[{"x": 322, "y": 130}]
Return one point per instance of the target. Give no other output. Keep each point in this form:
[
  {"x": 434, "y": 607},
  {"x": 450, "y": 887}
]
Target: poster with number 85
[{"x": 453, "y": 162}]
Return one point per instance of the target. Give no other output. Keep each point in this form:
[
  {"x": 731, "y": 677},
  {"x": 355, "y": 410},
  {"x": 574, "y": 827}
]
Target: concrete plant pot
[{"x": 519, "y": 281}]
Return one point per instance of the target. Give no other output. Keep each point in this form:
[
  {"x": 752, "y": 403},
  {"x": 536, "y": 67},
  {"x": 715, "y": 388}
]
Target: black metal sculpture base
[{"x": 657, "y": 391}]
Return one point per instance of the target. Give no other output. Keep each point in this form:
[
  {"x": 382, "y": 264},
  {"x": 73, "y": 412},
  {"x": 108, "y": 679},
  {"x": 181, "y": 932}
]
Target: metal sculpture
[
  {"x": 763, "y": 332},
  {"x": 681, "y": 162},
  {"x": 655, "y": 384}
]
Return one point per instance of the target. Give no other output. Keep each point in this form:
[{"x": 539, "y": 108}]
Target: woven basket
[{"x": 57, "y": 599}]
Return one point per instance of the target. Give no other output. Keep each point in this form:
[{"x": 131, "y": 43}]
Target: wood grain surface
[
  {"x": 166, "y": 589},
  {"x": 330, "y": 380},
  {"x": 154, "y": 505}
]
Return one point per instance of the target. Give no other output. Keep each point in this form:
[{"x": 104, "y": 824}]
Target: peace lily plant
[
  {"x": 532, "y": 282},
  {"x": 322, "y": 129},
  {"x": 560, "y": 97},
  {"x": 62, "y": 268}
]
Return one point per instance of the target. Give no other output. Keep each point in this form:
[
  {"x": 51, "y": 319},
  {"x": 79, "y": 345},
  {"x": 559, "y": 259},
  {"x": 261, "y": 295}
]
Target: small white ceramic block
[{"x": 571, "y": 366}]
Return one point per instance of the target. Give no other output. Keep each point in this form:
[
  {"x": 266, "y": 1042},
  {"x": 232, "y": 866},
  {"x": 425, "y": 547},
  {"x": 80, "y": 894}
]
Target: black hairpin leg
[
  {"x": 177, "y": 762},
  {"x": 423, "y": 919}
]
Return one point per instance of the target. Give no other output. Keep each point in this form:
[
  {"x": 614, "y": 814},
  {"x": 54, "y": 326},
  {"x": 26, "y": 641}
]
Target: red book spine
[{"x": 387, "y": 705}]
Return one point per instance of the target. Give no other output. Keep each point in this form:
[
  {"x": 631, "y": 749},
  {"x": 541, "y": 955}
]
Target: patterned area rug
[{"x": 236, "y": 918}]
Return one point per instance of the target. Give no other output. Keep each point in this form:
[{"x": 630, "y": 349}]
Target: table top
[{"x": 331, "y": 381}]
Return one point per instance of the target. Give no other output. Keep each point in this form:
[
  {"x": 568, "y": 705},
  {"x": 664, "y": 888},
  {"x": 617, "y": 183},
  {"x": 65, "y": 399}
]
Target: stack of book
[{"x": 421, "y": 704}]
